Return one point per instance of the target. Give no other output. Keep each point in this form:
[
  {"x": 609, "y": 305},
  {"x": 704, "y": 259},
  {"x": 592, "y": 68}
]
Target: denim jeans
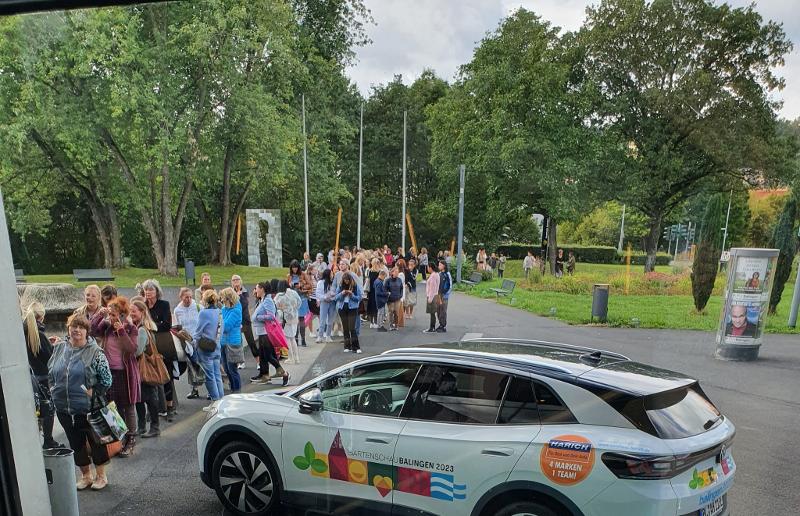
[
  {"x": 327, "y": 315},
  {"x": 232, "y": 370},
  {"x": 210, "y": 364}
]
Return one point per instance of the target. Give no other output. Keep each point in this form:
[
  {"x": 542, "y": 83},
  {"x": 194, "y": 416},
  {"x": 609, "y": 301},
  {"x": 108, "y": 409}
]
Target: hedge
[
  {"x": 639, "y": 258},
  {"x": 583, "y": 253}
]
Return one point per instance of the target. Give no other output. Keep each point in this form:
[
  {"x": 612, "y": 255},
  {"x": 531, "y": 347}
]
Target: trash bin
[
  {"x": 600, "y": 301},
  {"x": 188, "y": 266},
  {"x": 59, "y": 469}
]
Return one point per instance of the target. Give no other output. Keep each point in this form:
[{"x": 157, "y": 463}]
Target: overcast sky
[{"x": 411, "y": 35}]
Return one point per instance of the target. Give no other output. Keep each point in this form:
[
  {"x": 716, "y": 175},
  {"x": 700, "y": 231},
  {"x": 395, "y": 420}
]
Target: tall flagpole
[
  {"x": 621, "y": 231},
  {"x": 403, "y": 239},
  {"x": 305, "y": 172},
  {"x": 360, "y": 156}
]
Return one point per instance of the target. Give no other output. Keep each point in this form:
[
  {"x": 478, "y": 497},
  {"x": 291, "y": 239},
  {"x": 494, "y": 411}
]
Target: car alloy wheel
[{"x": 244, "y": 479}]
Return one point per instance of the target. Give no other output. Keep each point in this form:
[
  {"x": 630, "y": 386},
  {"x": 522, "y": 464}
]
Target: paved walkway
[{"x": 760, "y": 397}]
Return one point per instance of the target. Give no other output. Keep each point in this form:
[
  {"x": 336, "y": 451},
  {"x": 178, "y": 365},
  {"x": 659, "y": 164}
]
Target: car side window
[
  {"x": 519, "y": 406},
  {"x": 551, "y": 410},
  {"x": 372, "y": 389},
  {"x": 531, "y": 402},
  {"x": 455, "y": 394}
]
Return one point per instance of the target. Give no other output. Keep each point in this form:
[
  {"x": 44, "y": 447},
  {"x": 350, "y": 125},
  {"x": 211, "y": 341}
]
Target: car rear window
[{"x": 674, "y": 414}]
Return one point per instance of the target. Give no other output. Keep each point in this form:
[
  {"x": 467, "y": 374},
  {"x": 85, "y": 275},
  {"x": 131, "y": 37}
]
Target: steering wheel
[{"x": 371, "y": 401}]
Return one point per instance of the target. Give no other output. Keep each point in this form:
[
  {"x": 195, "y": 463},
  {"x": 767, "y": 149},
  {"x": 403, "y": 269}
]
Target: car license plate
[{"x": 715, "y": 507}]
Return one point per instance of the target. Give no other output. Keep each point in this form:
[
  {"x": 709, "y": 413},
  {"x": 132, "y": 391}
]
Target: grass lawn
[
  {"x": 653, "y": 311},
  {"x": 130, "y": 276}
]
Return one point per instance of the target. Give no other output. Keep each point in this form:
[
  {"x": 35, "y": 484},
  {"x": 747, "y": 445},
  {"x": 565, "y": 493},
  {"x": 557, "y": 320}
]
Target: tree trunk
[
  {"x": 552, "y": 243},
  {"x": 651, "y": 241},
  {"x": 208, "y": 229},
  {"x": 116, "y": 238}
]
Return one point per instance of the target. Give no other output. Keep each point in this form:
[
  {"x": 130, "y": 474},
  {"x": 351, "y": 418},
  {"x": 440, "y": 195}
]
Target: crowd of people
[{"x": 131, "y": 351}]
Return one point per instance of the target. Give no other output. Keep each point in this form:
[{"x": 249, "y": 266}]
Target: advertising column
[{"x": 745, "y": 302}]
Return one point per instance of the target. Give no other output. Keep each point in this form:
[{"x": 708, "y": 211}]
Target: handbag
[
  {"x": 207, "y": 345},
  {"x": 234, "y": 354},
  {"x": 151, "y": 367},
  {"x": 275, "y": 334},
  {"x": 106, "y": 423}
]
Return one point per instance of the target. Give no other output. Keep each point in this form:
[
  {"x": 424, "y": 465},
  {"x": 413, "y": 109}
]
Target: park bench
[
  {"x": 474, "y": 279},
  {"x": 92, "y": 275},
  {"x": 19, "y": 275},
  {"x": 506, "y": 288}
]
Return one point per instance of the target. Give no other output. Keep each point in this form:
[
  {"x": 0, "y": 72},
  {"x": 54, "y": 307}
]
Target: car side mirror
[{"x": 310, "y": 401}]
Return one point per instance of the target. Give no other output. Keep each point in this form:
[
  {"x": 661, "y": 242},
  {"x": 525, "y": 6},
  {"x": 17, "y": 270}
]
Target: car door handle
[
  {"x": 498, "y": 452},
  {"x": 379, "y": 440}
]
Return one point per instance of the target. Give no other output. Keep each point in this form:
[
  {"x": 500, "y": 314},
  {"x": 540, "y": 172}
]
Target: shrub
[{"x": 583, "y": 253}]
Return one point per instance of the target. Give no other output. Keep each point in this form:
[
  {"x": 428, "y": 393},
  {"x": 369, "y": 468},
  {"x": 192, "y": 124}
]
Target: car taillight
[{"x": 646, "y": 467}]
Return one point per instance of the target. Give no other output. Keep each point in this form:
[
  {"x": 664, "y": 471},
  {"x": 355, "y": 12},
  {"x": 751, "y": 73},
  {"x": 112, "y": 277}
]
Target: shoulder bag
[{"x": 151, "y": 366}]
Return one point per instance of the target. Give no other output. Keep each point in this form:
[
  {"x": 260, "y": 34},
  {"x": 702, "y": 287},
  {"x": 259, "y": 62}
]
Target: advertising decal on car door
[{"x": 341, "y": 464}]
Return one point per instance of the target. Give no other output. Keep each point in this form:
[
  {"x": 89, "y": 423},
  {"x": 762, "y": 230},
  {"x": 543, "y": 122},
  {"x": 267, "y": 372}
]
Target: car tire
[
  {"x": 525, "y": 508},
  {"x": 245, "y": 480}
]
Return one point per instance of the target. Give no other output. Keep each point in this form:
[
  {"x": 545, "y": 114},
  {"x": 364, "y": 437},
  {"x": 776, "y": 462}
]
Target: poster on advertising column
[{"x": 745, "y": 303}]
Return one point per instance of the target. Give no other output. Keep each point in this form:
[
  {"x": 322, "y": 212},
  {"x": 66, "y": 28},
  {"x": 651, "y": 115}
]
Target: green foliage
[
  {"x": 591, "y": 253},
  {"x": 517, "y": 251},
  {"x": 784, "y": 238},
  {"x": 601, "y": 227},
  {"x": 515, "y": 118},
  {"x": 681, "y": 122},
  {"x": 707, "y": 253},
  {"x": 764, "y": 213}
]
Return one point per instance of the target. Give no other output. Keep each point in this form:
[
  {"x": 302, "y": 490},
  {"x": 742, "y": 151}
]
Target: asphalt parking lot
[{"x": 760, "y": 397}]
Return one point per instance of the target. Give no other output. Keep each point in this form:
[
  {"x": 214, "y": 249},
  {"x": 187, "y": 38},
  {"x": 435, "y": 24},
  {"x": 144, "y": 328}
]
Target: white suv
[{"x": 482, "y": 427}]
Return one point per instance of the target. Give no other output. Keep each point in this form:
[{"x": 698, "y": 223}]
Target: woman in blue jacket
[
  {"x": 208, "y": 327},
  {"x": 348, "y": 297},
  {"x": 231, "y": 339}
]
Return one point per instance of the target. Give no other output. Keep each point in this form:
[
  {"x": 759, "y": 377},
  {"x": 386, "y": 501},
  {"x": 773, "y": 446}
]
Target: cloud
[{"x": 412, "y": 35}]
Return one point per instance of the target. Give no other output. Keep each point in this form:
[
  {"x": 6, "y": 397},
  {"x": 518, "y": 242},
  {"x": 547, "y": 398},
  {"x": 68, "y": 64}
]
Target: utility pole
[
  {"x": 305, "y": 172},
  {"x": 727, "y": 217},
  {"x": 677, "y": 241},
  {"x": 360, "y": 156},
  {"x": 688, "y": 235},
  {"x": 403, "y": 239},
  {"x": 459, "y": 256},
  {"x": 621, "y": 231}
]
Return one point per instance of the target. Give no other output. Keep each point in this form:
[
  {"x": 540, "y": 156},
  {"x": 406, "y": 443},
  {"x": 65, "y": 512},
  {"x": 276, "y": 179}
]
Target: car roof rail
[
  {"x": 483, "y": 356},
  {"x": 553, "y": 345}
]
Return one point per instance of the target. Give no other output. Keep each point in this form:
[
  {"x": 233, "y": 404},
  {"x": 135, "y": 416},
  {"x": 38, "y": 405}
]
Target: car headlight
[{"x": 212, "y": 410}]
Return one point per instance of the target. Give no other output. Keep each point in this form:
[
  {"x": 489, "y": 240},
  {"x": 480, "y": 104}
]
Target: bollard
[
  {"x": 59, "y": 468},
  {"x": 600, "y": 302},
  {"x": 188, "y": 266}
]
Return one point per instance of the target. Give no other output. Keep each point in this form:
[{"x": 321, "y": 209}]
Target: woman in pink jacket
[
  {"x": 431, "y": 296},
  {"x": 119, "y": 337}
]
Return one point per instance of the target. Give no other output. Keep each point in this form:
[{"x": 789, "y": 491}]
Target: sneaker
[
  {"x": 373, "y": 326},
  {"x": 207, "y": 408},
  {"x": 393, "y": 328},
  {"x": 208, "y": 397},
  {"x": 49, "y": 445},
  {"x": 162, "y": 414},
  {"x": 328, "y": 339},
  {"x": 317, "y": 339},
  {"x": 440, "y": 330},
  {"x": 193, "y": 395},
  {"x": 429, "y": 330},
  {"x": 84, "y": 482},
  {"x": 358, "y": 351},
  {"x": 382, "y": 329},
  {"x": 153, "y": 432},
  {"x": 340, "y": 333},
  {"x": 99, "y": 483},
  {"x": 285, "y": 379},
  {"x": 241, "y": 365},
  {"x": 346, "y": 350}
]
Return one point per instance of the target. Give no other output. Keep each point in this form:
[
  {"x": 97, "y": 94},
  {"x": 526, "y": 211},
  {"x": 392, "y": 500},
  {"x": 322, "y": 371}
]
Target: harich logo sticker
[
  {"x": 567, "y": 459},
  {"x": 336, "y": 465}
]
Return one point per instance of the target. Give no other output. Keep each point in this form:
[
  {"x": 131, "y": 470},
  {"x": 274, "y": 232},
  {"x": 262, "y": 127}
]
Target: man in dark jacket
[
  {"x": 445, "y": 287},
  {"x": 381, "y": 298},
  {"x": 394, "y": 286}
]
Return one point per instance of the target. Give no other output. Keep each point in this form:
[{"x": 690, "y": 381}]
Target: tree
[
  {"x": 516, "y": 118},
  {"x": 684, "y": 86},
  {"x": 784, "y": 238},
  {"x": 708, "y": 251}
]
